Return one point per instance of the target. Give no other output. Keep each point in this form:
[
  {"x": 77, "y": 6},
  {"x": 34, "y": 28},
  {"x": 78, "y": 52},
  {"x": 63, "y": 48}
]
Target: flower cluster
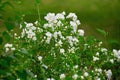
[
  {"x": 28, "y": 31},
  {"x": 58, "y": 49},
  {"x": 9, "y": 47}
]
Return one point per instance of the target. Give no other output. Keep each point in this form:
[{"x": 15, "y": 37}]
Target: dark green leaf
[
  {"x": 6, "y": 36},
  {"x": 3, "y": 63},
  {"x": 9, "y": 26},
  {"x": 1, "y": 40}
]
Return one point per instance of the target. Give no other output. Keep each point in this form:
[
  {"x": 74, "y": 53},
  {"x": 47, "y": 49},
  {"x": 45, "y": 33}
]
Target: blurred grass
[{"x": 103, "y": 14}]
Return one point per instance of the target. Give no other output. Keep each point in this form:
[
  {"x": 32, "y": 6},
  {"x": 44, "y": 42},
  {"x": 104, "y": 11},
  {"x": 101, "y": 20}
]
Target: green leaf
[
  {"x": 5, "y": 4},
  {"x": 114, "y": 42},
  {"x": 6, "y": 36},
  {"x": 18, "y": 1},
  {"x": 23, "y": 50},
  {"x": 1, "y": 40},
  {"x": 9, "y": 26},
  {"x": 103, "y": 32},
  {"x": 38, "y": 1},
  {"x": 3, "y": 63}
]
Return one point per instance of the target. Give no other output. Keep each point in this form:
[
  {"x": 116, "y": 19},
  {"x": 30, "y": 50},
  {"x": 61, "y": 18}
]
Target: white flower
[
  {"x": 97, "y": 54},
  {"x": 35, "y": 76},
  {"x": 75, "y": 76},
  {"x": 13, "y": 49},
  {"x": 50, "y": 79},
  {"x": 98, "y": 79},
  {"x": 8, "y": 45},
  {"x": 81, "y": 32},
  {"x": 50, "y": 17},
  {"x": 74, "y": 25},
  {"x": 82, "y": 77},
  {"x": 62, "y": 51},
  {"x": 109, "y": 74},
  {"x": 40, "y": 58},
  {"x": 55, "y": 35},
  {"x": 103, "y": 50},
  {"x": 75, "y": 67},
  {"x": 63, "y": 13},
  {"x": 62, "y": 76},
  {"x": 48, "y": 34},
  {"x": 86, "y": 74},
  {"x": 34, "y": 38},
  {"x": 117, "y": 54},
  {"x": 18, "y": 79},
  {"x": 59, "y": 23},
  {"x": 111, "y": 60},
  {"x": 95, "y": 58},
  {"x": 78, "y": 22},
  {"x": 73, "y": 16},
  {"x": 36, "y": 22},
  {"x": 7, "y": 49},
  {"x": 60, "y": 16},
  {"x": 30, "y": 34},
  {"x": 100, "y": 43},
  {"x": 29, "y": 25}
]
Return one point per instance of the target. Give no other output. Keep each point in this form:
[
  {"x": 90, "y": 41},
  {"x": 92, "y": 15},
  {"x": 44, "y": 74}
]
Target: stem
[{"x": 38, "y": 12}]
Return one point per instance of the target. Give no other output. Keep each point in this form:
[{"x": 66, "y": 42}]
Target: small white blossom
[
  {"x": 8, "y": 45},
  {"x": 75, "y": 67},
  {"x": 82, "y": 77},
  {"x": 75, "y": 76},
  {"x": 103, "y": 50},
  {"x": 98, "y": 79},
  {"x": 50, "y": 17},
  {"x": 62, "y": 51},
  {"x": 60, "y": 16},
  {"x": 35, "y": 76},
  {"x": 95, "y": 58},
  {"x": 62, "y": 76},
  {"x": 97, "y": 54},
  {"x": 117, "y": 54},
  {"x": 109, "y": 74},
  {"x": 13, "y": 49},
  {"x": 50, "y": 79},
  {"x": 73, "y": 16},
  {"x": 86, "y": 74},
  {"x": 111, "y": 60},
  {"x": 48, "y": 34},
  {"x": 78, "y": 22},
  {"x": 81, "y": 32},
  {"x": 40, "y": 58},
  {"x": 100, "y": 43},
  {"x": 74, "y": 25}
]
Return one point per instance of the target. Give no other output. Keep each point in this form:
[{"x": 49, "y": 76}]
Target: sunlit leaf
[
  {"x": 23, "y": 50},
  {"x": 103, "y": 32}
]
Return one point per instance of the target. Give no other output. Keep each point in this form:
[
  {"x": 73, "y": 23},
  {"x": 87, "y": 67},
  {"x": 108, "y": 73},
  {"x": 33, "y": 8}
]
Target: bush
[{"x": 57, "y": 49}]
